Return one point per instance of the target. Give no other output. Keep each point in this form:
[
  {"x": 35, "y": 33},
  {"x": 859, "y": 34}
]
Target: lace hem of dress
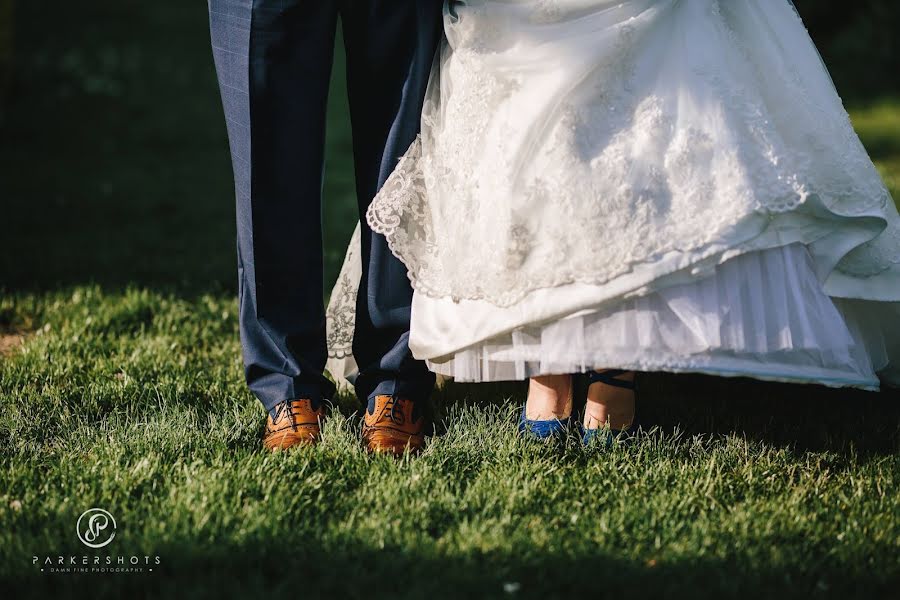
[
  {"x": 340, "y": 320},
  {"x": 401, "y": 214}
]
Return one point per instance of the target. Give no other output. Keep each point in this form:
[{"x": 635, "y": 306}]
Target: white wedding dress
[{"x": 658, "y": 185}]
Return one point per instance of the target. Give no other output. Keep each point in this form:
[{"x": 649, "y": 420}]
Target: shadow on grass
[
  {"x": 286, "y": 568},
  {"x": 805, "y": 418}
]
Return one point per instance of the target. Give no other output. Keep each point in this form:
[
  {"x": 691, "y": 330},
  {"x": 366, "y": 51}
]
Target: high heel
[
  {"x": 543, "y": 430},
  {"x": 605, "y": 435}
]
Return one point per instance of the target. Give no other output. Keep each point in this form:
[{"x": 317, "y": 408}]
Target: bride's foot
[
  {"x": 549, "y": 398},
  {"x": 548, "y": 409},
  {"x": 610, "y": 401}
]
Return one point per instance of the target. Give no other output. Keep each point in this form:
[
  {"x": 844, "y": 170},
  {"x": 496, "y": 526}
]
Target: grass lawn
[{"x": 121, "y": 387}]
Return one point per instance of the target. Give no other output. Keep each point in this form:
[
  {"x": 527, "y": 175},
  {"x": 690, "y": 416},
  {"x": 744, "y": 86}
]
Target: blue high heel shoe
[
  {"x": 543, "y": 430},
  {"x": 603, "y": 435}
]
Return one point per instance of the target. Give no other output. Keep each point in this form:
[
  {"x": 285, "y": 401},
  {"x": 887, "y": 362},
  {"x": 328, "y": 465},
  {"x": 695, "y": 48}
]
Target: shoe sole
[
  {"x": 291, "y": 439},
  {"x": 384, "y": 440}
]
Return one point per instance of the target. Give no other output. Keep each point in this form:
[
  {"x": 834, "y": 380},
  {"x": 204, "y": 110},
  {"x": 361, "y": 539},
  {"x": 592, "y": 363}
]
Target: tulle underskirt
[{"x": 763, "y": 314}]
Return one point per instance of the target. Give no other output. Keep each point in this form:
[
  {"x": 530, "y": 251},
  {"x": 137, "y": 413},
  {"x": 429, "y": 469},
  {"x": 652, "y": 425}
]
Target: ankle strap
[{"x": 608, "y": 377}]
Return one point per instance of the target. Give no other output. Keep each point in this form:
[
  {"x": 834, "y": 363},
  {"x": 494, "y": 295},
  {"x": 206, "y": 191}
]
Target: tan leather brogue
[
  {"x": 295, "y": 423},
  {"x": 391, "y": 425}
]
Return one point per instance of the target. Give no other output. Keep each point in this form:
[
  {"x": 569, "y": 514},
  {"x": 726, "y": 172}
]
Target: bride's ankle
[
  {"x": 549, "y": 397},
  {"x": 619, "y": 416},
  {"x": 610, "y": 400}
]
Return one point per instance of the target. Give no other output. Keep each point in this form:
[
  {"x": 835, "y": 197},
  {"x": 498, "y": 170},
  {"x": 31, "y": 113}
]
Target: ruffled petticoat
[{"x": 761, "y": 315}]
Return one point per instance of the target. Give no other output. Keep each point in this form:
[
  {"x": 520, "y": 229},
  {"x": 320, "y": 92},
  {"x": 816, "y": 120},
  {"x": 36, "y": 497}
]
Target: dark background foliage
[{"x": 858, "y": 41}]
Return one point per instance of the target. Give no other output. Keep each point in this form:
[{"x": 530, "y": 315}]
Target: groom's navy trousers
[{"x": 274, "y": 60}]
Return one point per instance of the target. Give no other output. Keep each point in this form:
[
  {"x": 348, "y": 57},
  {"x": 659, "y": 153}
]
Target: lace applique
[
  {"x": 340, "y": 317},
  {"x": 546, "y": 11}
]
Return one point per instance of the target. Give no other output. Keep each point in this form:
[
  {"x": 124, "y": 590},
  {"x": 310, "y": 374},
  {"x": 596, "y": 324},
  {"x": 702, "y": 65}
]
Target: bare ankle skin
[
  {"x": 549, "y": 397},
  {"x": 609, "y": 405}
]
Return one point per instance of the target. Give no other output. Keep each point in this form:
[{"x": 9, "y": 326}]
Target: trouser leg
[
  {"x": 390, "y": 49},
  {"x": 273, "y": 59}
]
